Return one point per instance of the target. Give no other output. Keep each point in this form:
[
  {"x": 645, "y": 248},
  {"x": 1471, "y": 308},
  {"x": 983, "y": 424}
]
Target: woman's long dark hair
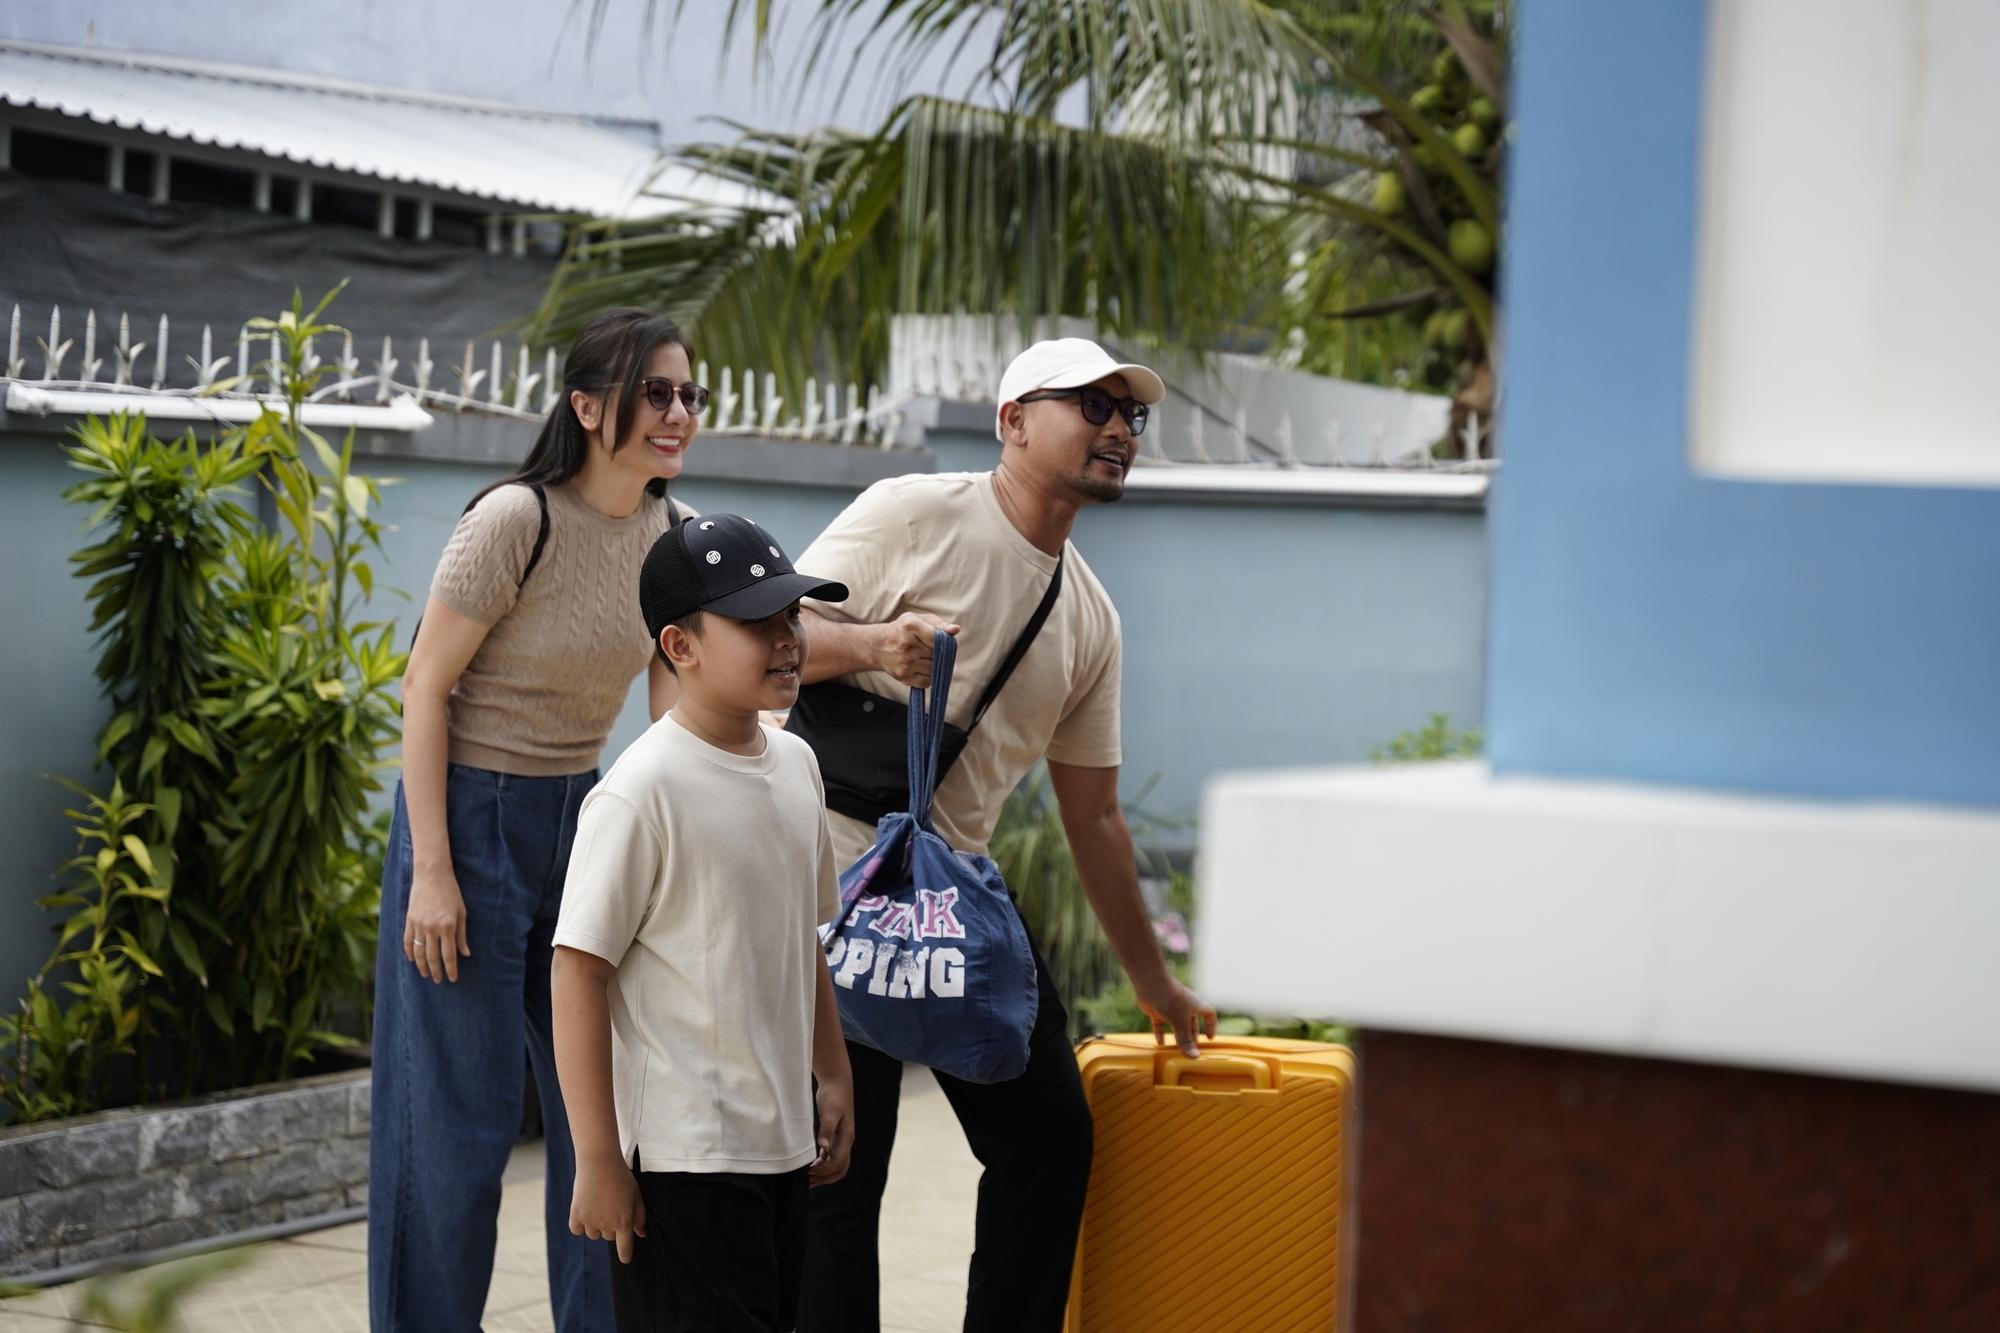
[{"x": 611, "y": 353}]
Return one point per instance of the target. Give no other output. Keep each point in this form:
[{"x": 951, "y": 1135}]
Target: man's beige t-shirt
[
  {"x": 940, "y": 544},
  {"x": 703, "y": 876}
]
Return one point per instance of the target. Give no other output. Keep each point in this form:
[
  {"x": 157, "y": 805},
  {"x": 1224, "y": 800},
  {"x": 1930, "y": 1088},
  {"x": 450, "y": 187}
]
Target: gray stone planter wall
[{"x": 125, "y": 1182}]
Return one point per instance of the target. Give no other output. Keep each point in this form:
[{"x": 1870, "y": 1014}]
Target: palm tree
[{"x": 1240, "y": 175}]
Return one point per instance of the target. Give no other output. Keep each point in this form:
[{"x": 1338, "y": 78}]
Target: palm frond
[
  {"x": 951, "y": 208},
  {"x": 1220, "y": 143}
]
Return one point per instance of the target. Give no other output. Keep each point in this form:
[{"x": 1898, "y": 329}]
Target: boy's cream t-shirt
[
  {"x": 939, "y": 543},
  {"x": 703, "y": 876}
]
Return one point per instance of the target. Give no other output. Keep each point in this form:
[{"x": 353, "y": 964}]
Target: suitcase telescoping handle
[{"x": 1217, "y": 1075}]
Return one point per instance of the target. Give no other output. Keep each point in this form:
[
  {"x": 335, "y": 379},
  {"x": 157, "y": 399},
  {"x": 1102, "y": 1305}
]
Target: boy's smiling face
[{"x": 742, "y": 666}]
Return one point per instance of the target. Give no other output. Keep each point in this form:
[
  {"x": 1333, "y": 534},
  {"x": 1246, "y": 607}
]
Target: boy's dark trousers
[
  {"x": 721, "y": 1254},
  {"x": 1032, "y": 1134}
]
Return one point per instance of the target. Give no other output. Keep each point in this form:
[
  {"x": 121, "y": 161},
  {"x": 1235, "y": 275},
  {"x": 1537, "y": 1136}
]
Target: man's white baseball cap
[{"x": 1071, "y": 363}]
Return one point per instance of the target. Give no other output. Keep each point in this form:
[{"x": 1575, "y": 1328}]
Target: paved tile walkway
[{"x": 318, "y": 1281}]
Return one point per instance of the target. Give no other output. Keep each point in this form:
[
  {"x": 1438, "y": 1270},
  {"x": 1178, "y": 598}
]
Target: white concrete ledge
[
  {"x": 1846, "y": 939},
  {"x": 399, "y": 414}
]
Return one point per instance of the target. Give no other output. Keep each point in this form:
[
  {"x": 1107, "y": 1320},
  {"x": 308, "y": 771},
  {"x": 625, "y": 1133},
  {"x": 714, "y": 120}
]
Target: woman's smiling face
[{"x": 657, "y": 443}]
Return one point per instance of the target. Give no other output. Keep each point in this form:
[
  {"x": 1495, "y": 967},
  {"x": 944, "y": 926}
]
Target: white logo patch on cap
[
  {"x": 707, "y": 524},
  {"x": 757, "y": 571},
  {"x": 714, "y": 557},
  {"x": 776, "y": 554}
]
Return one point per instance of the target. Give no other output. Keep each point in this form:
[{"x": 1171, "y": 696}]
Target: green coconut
[
  {"x": 1471, "y": 245},
  {"x": 1389, "y": 197}
]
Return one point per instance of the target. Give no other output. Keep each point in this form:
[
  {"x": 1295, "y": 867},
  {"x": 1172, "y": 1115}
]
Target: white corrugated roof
[{"x": 492, "y": 150}]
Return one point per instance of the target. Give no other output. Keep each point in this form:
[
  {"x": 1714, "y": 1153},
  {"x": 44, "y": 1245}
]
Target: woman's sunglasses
[
  {"x": 1097, "y": 406},
  {"x": 660, "y": 395}
]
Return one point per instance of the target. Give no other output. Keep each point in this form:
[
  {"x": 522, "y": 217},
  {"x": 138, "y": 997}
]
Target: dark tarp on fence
[{"x": 84, "y": 247}]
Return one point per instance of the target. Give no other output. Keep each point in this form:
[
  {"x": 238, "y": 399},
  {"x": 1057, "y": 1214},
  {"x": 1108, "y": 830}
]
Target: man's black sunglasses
[
  {"x": 1097, "y": 405},
  {"x": 660, "y": 395}
]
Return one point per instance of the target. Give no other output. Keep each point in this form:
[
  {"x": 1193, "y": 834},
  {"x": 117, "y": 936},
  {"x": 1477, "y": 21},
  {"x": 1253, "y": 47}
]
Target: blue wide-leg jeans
[{"x": 447, "y": 1066}]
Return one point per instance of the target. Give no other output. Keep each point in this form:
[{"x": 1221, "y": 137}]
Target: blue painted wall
[
  {"x": 1653, "y": 624},
  {"x": 52, "y": 710},
  {"x": 1277, "y": 637}
]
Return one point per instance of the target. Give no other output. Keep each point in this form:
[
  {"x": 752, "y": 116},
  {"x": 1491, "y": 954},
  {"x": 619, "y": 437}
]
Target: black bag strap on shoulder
[
  {"x": 534, "y": 555},
  {"x": 1020, "y": 648},
  {"x": 541, "y": 535}
]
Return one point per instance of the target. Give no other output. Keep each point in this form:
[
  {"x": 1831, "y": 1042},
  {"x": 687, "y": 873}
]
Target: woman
[{"x": 524, "y": 655}]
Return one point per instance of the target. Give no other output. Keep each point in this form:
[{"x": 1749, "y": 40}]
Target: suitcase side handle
[{"x": 1178, "y": 1071}]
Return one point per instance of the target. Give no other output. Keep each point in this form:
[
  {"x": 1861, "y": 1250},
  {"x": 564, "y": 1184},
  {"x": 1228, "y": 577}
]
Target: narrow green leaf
[
  {"x": 328, "y": 459},
  {"x": 338, "y": 1040},
  {"x": 139, "y": 852},
  {"x": 154, "y": 752},
  {"x": 190, "y": 955},
  {"x": 167, "y": 801},
  {"x": 115, "y": 731},
  {"x": 138, "y": 955}
]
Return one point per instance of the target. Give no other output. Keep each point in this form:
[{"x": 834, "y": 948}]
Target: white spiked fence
[
  {"x": 488, "y": 380},
  {"x": 524, "y": 385}
]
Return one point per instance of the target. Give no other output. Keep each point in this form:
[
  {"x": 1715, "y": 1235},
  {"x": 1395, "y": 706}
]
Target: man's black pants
[{"x": 1032, "y": 1135}]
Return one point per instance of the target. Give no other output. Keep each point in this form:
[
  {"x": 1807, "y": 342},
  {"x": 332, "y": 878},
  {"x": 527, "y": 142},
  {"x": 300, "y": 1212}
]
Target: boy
[{"x": 692, "y": 1004}]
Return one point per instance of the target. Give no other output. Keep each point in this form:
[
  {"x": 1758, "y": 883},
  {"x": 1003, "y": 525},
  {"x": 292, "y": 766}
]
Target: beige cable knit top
[{"x": 541, "y": 694}]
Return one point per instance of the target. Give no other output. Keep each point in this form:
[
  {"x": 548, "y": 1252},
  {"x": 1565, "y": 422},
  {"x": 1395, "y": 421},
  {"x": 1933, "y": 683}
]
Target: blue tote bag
[{"x": 930, "y": 961}]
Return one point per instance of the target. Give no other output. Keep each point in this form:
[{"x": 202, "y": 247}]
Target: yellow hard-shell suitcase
[{"x": 1219, "y": 1191}]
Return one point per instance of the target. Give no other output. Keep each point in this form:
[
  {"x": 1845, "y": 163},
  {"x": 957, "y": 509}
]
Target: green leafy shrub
[
  {"x": 1033, "y": 854},
  {"x": 1032, "y": 851},
  {"x": 1115, "y": 1008},
  {"x": 1436, "y": 739},
  {"x": 77, "y": 1041},
  {"x": 231, "y": 907}
]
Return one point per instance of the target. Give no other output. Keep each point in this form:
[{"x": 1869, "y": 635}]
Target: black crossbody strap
[
  {"x": 1020, "y": 648},
  {"x": 534, "y": 556},
  {"x": 541, "y": 535}
]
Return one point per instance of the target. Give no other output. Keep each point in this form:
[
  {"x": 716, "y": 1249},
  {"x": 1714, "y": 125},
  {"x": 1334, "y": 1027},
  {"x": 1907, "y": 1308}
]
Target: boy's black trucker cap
[{"x": 726, "y": 564}]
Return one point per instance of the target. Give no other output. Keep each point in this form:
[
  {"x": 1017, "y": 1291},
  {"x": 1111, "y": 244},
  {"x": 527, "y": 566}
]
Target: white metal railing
[{"x": 743, "y": 402}]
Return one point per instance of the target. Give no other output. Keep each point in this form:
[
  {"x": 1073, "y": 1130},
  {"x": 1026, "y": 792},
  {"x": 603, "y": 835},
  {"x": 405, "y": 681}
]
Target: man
[{"x": 927, "y": 552}]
